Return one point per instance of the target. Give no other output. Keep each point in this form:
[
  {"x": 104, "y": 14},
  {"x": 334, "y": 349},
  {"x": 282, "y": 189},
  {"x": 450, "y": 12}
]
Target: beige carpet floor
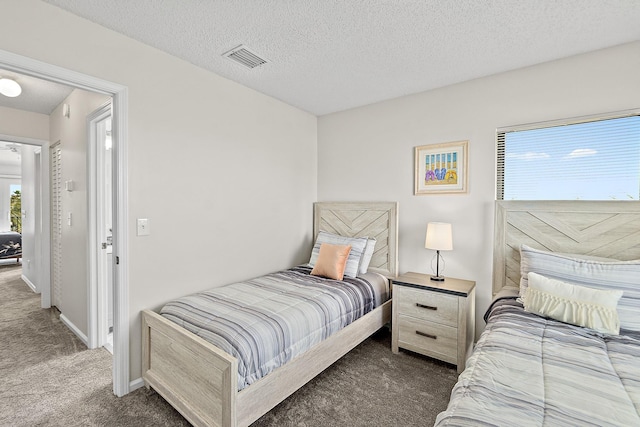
[{"x": 49, "y": 378}]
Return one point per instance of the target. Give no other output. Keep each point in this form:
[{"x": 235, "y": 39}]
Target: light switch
[{"x": 143, "y": 227}]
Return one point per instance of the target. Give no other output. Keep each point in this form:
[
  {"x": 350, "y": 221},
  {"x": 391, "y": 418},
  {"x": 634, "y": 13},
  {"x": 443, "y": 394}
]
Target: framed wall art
[{"x": 441, "y": 168}]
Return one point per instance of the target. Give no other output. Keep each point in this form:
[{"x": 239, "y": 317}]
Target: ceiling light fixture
[{"x": 9, "y": 87}]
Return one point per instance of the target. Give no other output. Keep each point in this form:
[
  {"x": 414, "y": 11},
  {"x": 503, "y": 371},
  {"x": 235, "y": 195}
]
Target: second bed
[{"x": 267, "y": 337}]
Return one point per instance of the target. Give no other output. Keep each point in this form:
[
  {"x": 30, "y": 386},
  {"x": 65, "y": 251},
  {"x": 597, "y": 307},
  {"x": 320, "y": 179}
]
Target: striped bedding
[
  {"x": 531, "y": 371},
  {"x": 269, "y": 320}
]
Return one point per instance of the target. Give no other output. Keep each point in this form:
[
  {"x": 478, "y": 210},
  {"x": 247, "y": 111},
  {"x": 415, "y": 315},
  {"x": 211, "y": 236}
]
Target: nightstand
[{"x": 436, "y": 319}]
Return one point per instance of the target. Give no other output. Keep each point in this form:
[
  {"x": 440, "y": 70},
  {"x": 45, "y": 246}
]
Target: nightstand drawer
[
  {"x": 431, "y": 339},
  {"x": 430, "y": 306}
]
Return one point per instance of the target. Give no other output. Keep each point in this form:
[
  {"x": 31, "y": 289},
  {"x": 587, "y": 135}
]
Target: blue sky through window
[{"x": 586, "y": 161}]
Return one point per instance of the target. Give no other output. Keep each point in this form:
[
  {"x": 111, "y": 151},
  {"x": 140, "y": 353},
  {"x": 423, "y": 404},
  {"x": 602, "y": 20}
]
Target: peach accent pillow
[{"x": 332, "y": 260}]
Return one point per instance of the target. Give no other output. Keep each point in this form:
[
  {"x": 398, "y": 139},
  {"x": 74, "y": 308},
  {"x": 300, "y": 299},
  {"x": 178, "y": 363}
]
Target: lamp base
[{"x": 437, "y": 278}]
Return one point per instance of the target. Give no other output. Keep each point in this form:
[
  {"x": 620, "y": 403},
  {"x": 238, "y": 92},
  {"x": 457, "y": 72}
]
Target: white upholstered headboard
[
  {"x": 596, "y": 228},
  {"x": 363, "y": 219}
]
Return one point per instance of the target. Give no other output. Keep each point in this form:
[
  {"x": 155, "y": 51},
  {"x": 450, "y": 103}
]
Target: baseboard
[
  {"x": 136, "y": 384},
  {"x": 29, "y": 283},
  {"x": 74, "y": 329}
]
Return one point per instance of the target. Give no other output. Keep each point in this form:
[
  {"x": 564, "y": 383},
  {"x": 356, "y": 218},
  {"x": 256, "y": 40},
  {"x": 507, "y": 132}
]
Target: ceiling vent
[{"x": 244, "y": 56}]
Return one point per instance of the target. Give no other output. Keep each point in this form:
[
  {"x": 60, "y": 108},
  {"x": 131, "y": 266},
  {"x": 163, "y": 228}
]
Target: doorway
[
  {"x": 100, "y": 228},
  {"x": 119, "y": 96}
]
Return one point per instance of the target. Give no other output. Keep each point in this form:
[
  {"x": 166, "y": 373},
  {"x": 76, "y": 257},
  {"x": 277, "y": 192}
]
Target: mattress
[
  {"x": 267, "y": 321},
  {"x": 527, "y": 370}
]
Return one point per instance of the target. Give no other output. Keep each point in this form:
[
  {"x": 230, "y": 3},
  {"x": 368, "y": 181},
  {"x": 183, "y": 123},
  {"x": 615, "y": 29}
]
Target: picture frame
[{"x": 441, "y": 168}]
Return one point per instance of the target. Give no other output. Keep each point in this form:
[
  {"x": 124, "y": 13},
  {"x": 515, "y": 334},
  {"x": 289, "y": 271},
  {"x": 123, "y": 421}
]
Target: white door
[
  {"x": 37, "y": 214},
  {"x": 101, "y": 228},
  {"x": 56, "y": 224}
]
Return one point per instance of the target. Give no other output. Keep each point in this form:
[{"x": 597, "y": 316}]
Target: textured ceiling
[
  {"x": 10, "y": 155},
  {"x": 38, "y": 96},
  {"x": 331, "y": 55}
]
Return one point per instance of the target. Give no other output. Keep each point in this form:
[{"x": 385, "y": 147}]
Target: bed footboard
[
  {"x": 200, "y": 380},
  {"x": 195, "y": 377}
]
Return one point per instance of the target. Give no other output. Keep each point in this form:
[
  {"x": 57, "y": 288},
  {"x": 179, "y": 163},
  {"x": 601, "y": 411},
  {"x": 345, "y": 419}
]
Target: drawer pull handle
[
  {"x": 428, "y": 307},
  {"x": 433, "y": 337}
]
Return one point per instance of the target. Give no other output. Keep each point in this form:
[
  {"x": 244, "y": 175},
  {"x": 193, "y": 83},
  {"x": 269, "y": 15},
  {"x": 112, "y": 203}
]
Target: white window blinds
[{"x": 587, "y": 160}]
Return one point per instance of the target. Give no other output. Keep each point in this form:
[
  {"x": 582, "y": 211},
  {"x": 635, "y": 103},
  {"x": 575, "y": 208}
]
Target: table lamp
[{"x": 438, "y": 238}]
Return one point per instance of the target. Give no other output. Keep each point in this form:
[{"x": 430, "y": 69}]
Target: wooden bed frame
[
  {"x": 596, "y": 228},
  {"x": 200, "y": 380}
]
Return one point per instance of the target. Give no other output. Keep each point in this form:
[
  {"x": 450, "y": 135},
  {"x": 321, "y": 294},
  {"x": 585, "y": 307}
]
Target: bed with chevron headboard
[
  {"x": 592, "y": 228},
  {"x": 562, "y": 340},
  {"x": 208, "y": 383}
]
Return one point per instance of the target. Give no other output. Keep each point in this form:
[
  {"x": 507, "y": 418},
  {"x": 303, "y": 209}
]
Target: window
[
  {"x": 16, "y": 208},
  {"x": 582, "y": 159}
]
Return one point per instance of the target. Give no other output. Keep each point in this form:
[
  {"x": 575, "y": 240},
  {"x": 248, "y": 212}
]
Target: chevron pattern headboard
[
  {"x": 363, "y": 219},
  {"x": 603, "y": 229}
]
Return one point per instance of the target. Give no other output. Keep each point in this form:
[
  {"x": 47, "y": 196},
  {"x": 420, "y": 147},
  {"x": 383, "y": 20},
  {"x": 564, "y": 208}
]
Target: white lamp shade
[
  {"x": 439, "y": 236},
  {"x": 10, "y": 88}
]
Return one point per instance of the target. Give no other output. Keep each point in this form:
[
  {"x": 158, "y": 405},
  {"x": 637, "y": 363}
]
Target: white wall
[
  {"x": 11, "y": 170},
  {"x": 72, "y": 134},
  {"x": 23, "y": 123},
  {"x": 367, "y": 153},
  {"x": 226, "y": 175}
]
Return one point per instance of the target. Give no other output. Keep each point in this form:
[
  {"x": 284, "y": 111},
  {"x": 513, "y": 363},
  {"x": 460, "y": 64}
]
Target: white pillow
[
  {"x": 367, "y": 255},
  {"x": 357, "y": 249},
  {"x": 614, "y": 275},
  {"x": 578, "y": 305}
]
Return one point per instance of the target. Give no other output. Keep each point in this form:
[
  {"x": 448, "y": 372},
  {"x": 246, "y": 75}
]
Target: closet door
[{"x": 56, "y": 225}]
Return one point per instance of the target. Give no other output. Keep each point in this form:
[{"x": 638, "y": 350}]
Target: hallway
[{"x": 49, "y": 377}]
